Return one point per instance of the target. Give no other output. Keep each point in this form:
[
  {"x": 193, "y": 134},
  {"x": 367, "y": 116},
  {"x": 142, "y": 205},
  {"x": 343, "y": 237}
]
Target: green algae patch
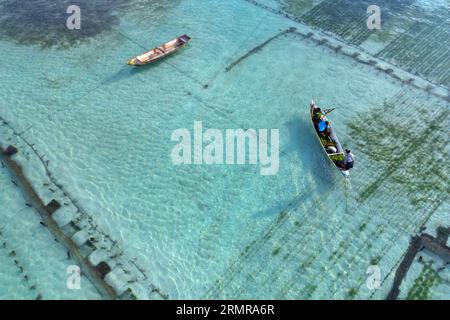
[
  {"x": 375, "y": 260},
  {"x": 352, "y": 292},
  {"x": 298, "y": 7},
  {"x": 412, "y": 37},
  {"x": 424, "y": 283},
  {"x": 344, "y": 17},
  {"x": 309, "y": 290},
  {"x": 276, "y": 251},
  {"x": 405, "y": 137},
  {"x": 428, "y": 40}
]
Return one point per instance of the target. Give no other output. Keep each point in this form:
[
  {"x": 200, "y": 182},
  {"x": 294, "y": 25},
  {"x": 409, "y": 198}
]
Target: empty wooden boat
[{"x": 160, "y": 52}]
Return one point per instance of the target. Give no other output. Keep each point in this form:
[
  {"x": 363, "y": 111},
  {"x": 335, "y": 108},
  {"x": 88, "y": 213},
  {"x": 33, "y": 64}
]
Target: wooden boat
[
  {"x": 331, "y": 145},
  {"x": 160, "y": 52}
]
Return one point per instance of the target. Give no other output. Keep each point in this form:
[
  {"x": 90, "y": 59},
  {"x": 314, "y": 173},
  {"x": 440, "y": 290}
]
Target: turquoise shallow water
[
  {"x": 33, "y": 264},
  {"x": 211, "y": 231}
]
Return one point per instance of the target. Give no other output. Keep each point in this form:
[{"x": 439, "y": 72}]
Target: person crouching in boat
[
  {"x": 318, "y": 116},
  {"x": 349, "y": 159},
  {"x": 324, "y": 128}
]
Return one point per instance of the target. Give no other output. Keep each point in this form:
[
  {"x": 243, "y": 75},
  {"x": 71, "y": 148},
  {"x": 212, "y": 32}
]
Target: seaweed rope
[
  {"x": 13, "y": 255},
  {"x": 348, "y": 187},
  {"x": 258, "y": 48},
  {"x": 115, "y": 251},
  {"x": 432, "y": 84},
  {"x": 236, "y": 51}
]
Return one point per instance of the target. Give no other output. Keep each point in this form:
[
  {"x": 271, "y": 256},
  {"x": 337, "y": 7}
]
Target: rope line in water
[
  {"x": 257, "y": 48},
  {"x": 114, "y": 250},
  {"x": 219, "y": 70},
  {"x": 12, "y": 253},
  {"x": 359, "y": 48}
]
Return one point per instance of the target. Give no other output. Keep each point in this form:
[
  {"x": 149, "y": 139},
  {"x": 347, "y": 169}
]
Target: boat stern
[{"x": 185, "y": 38}]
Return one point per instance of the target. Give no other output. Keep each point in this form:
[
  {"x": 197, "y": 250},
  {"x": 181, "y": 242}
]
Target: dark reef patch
[{"x": 43, "y": 22}]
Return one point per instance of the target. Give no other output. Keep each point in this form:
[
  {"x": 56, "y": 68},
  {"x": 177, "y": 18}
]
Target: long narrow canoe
[
  {"x": 337, "y": 156},
  {"x": 160, "y": 52}
]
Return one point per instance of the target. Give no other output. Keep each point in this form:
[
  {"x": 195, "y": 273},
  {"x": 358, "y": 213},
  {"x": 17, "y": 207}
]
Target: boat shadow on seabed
[
  {"x": 127, "y": 71},
  {"x": 326, "y": 179},
  {"x": 309, "y": 151}
]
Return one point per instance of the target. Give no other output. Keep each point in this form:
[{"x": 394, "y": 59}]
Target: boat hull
[{"x": 161, "y": 52}]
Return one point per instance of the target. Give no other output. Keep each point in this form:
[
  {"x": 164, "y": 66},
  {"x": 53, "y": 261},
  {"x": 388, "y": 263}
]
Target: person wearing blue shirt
[
  {"x": 324, "y": 128},
  {"x": 322, "y": 125}
]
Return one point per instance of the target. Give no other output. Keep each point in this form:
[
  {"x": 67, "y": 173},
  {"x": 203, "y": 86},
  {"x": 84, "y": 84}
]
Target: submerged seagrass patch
[{"x": 43, "y": 22}]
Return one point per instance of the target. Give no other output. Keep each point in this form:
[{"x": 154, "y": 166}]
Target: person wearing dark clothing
[{"x": 349, "y": 159}]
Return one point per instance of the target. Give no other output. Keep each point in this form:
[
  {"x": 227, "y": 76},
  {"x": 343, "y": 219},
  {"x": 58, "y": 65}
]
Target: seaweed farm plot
[
  {"x": 121, "y": 276},
  {"x": 295, "y": 233},
  {"x": 12, "y": 265},
  {"x": 33, "y": 265},
  {"x": 435, "y": 250},
  {"x": 300, "y": 7},
  {"x": 370, "y": 45},
  {"x": 421, "y": 46},
  {"x": 306, "y": 260},
  {"x": 413, "y": 36},
  {"x": 155, "y": 230},
  {"x": 395, "y": 135},
  {"x": 428, "y": 278},
  {"x": 424, "y": 49},
  {"x": 311, "y": 259},
  {"x": 427, "y": 282},
  {"x": 405, "y": 139},
  {"x": 347, "y": 18}
]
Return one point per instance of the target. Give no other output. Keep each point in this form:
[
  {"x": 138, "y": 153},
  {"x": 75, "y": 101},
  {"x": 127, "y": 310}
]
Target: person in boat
[
  {"x": 349, "y": 159},
  {"x": 318, "y": 116},
  {"x": 324, "y": 128},
  {"x": 327, "y": 128}
]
